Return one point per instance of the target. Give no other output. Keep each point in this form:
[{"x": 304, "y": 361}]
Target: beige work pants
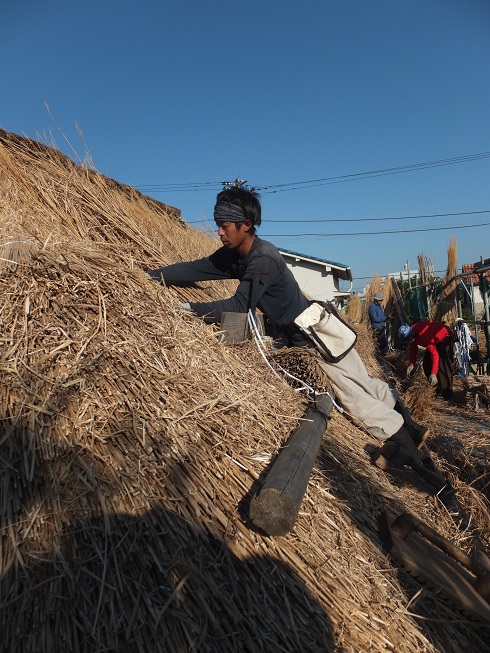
[{"x": 368, "y": 402}]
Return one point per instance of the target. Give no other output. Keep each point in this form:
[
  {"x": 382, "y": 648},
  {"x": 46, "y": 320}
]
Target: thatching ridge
[{"x": 131, "y": 438}]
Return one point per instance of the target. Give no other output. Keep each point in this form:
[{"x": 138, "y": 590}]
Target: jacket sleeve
[
  {"x": 371, "y": 313},
  {"x": 211, "y": 312},
  {"x": 208, "y": 268},
  {"x": 413, "y": 352},
  {"x": 377, "y": 316},
  {"x": 434, "y": 354},
  {"x": 267, "y": 272}
]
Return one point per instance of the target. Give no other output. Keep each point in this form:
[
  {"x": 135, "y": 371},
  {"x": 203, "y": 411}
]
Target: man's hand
[
  {"x": 409, "y": 370},
  {"x": 186, "y": 306},
  {"x": 433, "y": 380}
]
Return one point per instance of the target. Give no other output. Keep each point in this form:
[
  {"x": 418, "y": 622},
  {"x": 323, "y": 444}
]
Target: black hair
[{"x": 248, "y": 200}]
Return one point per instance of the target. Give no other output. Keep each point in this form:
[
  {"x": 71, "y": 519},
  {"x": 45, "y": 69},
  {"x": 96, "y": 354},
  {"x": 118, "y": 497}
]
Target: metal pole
[
  {"x": 457, "y": 300},
  {"x": 473, "y": 305},
  {"x": 487, "y": 319}
]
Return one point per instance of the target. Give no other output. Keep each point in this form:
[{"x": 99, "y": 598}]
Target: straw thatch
[
  {"x": 354, "y": 310},
  {"x": 377, "y": 285},
  {"x": 426, "y": 268},
  {"x": 131, "y": 439},
  {"x": 445, "y": 310}
]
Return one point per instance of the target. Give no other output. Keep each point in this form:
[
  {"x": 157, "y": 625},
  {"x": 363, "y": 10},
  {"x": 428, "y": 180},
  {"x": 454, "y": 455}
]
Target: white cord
[{"x": 262, "y": 349}]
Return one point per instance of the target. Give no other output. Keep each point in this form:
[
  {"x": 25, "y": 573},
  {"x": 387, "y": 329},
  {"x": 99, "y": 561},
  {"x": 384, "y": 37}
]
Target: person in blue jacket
[{"x": 378, "y": 321}]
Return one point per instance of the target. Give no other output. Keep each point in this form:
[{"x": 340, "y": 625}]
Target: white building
[
  {"x": 471, "y": 274},
  {"x": 318, "y": 278}
]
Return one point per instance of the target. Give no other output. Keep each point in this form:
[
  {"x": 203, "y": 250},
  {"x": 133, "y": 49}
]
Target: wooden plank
[
  {"x": 433, "y": 567},
  {"x": 275, "y": 508}
]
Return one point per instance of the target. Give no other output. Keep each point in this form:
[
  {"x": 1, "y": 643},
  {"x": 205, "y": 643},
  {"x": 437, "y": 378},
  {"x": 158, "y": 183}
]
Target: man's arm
[
  {"x": 434, "y": 354},
  {"x": 212, "y": 311},
  {"x": 266, "y": 270},
  {"x": 413, "y": 352},
  {"x": 205, "y": 269},
  {"x": 372, "y": 313}
]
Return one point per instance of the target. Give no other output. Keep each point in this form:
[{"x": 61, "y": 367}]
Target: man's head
[
  {"x": 237, "y": 213},
  {"x": 378, "y": 297},
  {"x": 237, "y": 205},
  {"x": 405, "y": 332}
]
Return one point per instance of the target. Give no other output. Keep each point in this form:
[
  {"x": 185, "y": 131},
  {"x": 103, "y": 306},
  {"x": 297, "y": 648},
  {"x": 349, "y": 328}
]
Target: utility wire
[
  {"x": 276, "y": 188},
  {"x": 403, "y": 217},
  {"x": 373, "y": 173},
  {"x": 378, "y": 233}
]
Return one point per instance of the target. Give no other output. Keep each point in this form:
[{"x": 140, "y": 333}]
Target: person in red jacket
[{"x": 437, "y": 338}]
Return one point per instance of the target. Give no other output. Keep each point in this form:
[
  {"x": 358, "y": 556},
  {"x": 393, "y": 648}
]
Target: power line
[
  {"x": 375, "y": 173},
  {"x": 378, "y": 233},
  {"x": 176, "y": 187},
  {"x": 277, "y": 188},
  {"x": 404, "y": 217}
]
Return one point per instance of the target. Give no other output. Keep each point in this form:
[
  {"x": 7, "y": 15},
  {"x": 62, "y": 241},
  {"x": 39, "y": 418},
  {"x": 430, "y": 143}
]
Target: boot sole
[
  {"x": 404, "y": 474},
  {"x": 381, "y": 462},
  {"x": 424, "y": 439}
]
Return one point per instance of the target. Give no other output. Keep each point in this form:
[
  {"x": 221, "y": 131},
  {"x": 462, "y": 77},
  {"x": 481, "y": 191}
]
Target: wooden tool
[
  {"x": 275, "y": 508},
  {"x": 462, "y": 579}
]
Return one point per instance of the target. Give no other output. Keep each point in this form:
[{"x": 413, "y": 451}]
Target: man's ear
[{"x": 247, "y": 225}]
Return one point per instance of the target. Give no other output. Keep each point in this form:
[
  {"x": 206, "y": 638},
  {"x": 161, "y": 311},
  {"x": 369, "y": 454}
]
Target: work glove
[
  {"x": 433, "y": 380},
  {"x": 409, "y": 369},
  {"x": 186, "y": 306}
]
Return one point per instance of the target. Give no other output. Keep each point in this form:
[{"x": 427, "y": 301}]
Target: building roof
[
  {"x": 343, "y": 271},
  {"x": 479, "y": 268}
]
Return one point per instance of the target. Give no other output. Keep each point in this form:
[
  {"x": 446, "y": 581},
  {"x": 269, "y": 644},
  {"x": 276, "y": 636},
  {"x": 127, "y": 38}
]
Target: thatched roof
[{"x": 131, "y": 439}]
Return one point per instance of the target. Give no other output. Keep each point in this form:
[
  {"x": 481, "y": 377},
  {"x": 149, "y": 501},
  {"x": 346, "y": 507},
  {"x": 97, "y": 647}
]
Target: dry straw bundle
[
  {"x": 131, "y": 438},
  {"x": 354, "y": 310},
  {"x": 445, "y": 310},
  {"x": 376, "y": 285}
]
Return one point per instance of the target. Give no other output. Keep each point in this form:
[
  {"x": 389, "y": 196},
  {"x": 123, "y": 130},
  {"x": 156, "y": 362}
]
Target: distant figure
[
  {"x": 437, "y": 338},
  {"x": 378, "y": 321}
]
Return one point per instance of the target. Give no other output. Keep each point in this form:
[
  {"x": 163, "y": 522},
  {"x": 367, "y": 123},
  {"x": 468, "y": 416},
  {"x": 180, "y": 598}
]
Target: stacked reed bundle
[
  {"x": 130, "y": 438},
  {"x": 375, "y": 285},
  {"x": 303, "y": 364},
  {"x": 445, "y": 310},
  {"x": 354, "y": 310},
  {"x": 426, "y": 268}
]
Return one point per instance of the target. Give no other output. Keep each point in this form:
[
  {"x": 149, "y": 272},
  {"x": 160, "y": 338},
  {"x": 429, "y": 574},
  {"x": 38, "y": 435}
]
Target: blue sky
[{"x": 275, "y": 92}]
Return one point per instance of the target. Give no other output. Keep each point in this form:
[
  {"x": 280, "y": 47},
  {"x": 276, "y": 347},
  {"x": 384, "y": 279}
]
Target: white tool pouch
[{"x": 323, "y": 325}]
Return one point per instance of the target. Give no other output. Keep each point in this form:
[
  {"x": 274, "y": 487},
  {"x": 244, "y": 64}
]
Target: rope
[{"x": 262, "y": 349}]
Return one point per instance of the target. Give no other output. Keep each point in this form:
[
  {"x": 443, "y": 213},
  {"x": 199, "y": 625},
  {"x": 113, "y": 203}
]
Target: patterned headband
[{"x": 226, "y": 212}]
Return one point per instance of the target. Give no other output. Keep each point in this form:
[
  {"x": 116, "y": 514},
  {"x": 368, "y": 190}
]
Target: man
[
  {"x": 244, "y": 256},
  {"x": 378, "y": 321},
  {"x": 437, "y": 363}
]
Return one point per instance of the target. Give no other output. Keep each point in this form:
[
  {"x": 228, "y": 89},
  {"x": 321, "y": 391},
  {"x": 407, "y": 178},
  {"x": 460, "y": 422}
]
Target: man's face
[{"x": 233, "y": 234}]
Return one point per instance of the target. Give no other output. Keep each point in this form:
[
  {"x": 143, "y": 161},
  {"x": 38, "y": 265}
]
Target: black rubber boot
[
  {"x": 417, "y": 432},
  {"x": 401, "y": 450}
]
